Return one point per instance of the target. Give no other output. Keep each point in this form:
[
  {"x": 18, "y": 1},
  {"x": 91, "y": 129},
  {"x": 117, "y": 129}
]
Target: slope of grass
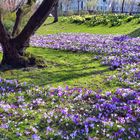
[
  {"x": 64, "y": 68},
  {"x": 38, "y": 112},
  {"x": 61, "y": 27},
  {"x": 135, "y": 33},
  {"x": 68, "y": 68}
]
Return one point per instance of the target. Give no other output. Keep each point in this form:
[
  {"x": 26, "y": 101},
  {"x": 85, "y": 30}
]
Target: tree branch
[
  {"x": 35, "y": 21},
  {"x": 17, "y": 24},
  {"x": 4, "y": 35},
  {"x": 21, "y": 12}
]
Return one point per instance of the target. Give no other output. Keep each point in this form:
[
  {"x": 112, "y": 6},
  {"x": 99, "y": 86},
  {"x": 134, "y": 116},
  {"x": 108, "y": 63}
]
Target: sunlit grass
[
  {"x": 64, "y": 68},
  {"x": 63, "y": 27}
]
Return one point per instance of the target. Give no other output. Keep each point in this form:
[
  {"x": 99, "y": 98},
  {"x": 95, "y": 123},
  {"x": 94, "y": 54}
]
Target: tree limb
[
  {"x": 4, "y": 35},
  {"x": 18, "y": 20},
  {"x": 21, "y": 12},
  {"x": 35, "y": 21}
]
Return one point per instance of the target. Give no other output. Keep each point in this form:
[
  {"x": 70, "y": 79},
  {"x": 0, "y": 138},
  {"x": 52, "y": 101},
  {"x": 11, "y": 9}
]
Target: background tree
[
  {"x": 91, "y": 5},
  {"x": 123, "y": 4},
  {"x": 64, "y": 5},
  {"x": 14, "y": 46},
  {"x": 55, "y": 12},
  {"x": 131, "y": 4},
  {"x": 78, "y": 6},
  {"x": 112, "y": 5}
]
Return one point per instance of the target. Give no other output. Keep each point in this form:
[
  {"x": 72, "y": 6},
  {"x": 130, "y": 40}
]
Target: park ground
[
  {"x": 85, "y": 92},
  {"x": 68, "y": 68}
]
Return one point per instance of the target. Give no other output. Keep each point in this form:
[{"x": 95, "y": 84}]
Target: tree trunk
[
  {"x": 123, "y": 2},
  {"x": 14, "y": 48},
  {"x": 131, "y": 7},
  {"x": 55, "y": 13},
  {"x": 78, "y": 7},
  {"x": 13, "y": 56}
]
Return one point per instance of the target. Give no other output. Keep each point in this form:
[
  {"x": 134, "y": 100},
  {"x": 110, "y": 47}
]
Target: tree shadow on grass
[
  {"x": 59, "y": 72},
  {"x": 50, "y": 23},
  {"x": 65, "y": 68},
  {"x": 135, "y": 33},
  {"x": 4, "y": 68},
  {"x": 43, "y": 78}
]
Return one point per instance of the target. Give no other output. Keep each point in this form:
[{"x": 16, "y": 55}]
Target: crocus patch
[
  {"x": 69, "y": 113},
  {"x": 32, "y": 112}
]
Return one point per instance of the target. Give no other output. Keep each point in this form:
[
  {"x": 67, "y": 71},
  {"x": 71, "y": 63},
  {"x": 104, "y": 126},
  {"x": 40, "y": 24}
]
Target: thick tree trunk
[
  {"x": 12, "y": 56},
  {"x": 13, "y": 53},
  {"x": 14, "y": 48}
]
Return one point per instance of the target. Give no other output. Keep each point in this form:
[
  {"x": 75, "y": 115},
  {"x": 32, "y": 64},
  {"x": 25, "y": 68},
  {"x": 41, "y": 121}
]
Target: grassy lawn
[
  {"x": 68, "y": 68},
  {"x": 62, "y": 27},
  {"x": 61, "y": 105},
  {"x": 64, "y": 68}
]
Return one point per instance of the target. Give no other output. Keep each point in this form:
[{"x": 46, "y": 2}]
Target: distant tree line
[{"x": 91, "y": 5}]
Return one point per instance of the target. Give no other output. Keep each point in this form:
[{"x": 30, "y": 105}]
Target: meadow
[{"x": 90, "y": 88}]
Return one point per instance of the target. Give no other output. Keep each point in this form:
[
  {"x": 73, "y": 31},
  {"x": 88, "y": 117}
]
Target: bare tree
[
  {"x": 14, "y": 46},
  {"x": 20, "y": 13},
  {"x": 112, "y": 4},
  {"x": 55, "y": 12},
  {"x": 78, "y": 7},
  {"x": 91, "y": 5},
  {"x": 123, "y": 3},
  {"x": 132, "y": 3}
]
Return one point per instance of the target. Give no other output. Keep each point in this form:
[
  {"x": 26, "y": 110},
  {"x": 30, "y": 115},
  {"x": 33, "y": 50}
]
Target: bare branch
[
  {"x": 36, "y": 20},
  {"x": 4, "y": 35},
  {"x": 18, "y": 20},
  {"x": 21, "y": 12}
]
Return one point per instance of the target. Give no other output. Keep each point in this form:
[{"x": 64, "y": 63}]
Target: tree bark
[
  {"x": 55, "y": 12},
  {"x": 14, "y": 48},
  {"x": 21, "y": 12},
  {"x": 17, "y": 24},
  {"x": 123, "y": 2},
  {"x": 11, "y": 55},
  {"x": 4, "y": 35},
  {"x": 78, "y": 7},
  {"x": 35, "y": 21}
]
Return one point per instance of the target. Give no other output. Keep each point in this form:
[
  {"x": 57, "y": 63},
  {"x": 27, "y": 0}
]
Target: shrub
[
  {"x": 104, "y": 19},
  {"x": 136, "y": 21},
  {"x": 128, "y": 19},
  {"x": 77, "y": 19}
]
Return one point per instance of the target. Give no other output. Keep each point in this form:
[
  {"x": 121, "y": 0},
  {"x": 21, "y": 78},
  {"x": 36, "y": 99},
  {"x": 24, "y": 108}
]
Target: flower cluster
[
  {"x": 70, "y": 113},
  {"x": 76, "y": 113},
  {"x": 128, "y": 76},
  {"x": 115, "y": 51},
  {"x": 8, "y": 86}
]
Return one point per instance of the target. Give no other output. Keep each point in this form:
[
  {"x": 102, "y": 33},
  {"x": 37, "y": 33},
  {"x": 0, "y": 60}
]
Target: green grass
[
  {"x": 63, "y": 27},
  {"x": 68, "y": 68},
  {"x": 64, "y": 68}
]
